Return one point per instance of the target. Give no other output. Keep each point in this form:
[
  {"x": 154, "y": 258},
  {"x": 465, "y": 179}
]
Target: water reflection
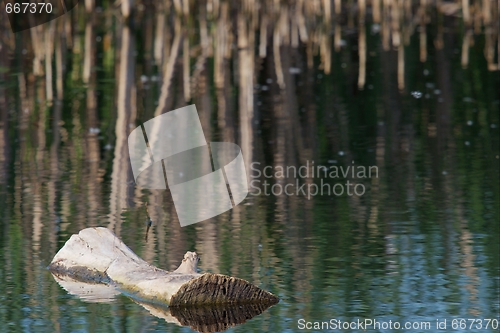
[
  {"x": 202, "y": 319},
  {"x": 408, "y": 87}
]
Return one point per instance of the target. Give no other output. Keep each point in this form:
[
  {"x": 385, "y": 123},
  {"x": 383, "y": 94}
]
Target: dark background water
[{"x": 410, "y": 88}]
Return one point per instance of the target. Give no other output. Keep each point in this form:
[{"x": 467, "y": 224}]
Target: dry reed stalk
[
  {"x": 361, "y": 10},
  {"x": 220, "y": 40},
  {"x": 395, "y": 23},
  {"x": 60, "y": 48},
  {"x": 362, "y": 49},
  {"x": 489, "y": 49},
  {"x": 88, "y": 59},
  {"x": 301, "y": 21},
  {"x": 407, "y": 29},
  {"x": 465, "y": 48},
  {"x": 386, "y": 29},
  {"x": 216, "y": 7},
  {"x": 186, "y": 70},
  {"x": 338, "y": 8},
  {"x": 206, "y": 45},
  {"x": 127, "y": 8},
  {"x": 39, "y": 54},
  {"x": 284, "y": 27},
  {"x": 376, "y": 11},
  {"x": 178, "y": 6},
  {"x": 327, "y": 10},
  {"x": 476, "y": 16},
  {"x": 89, "y": 6},
  {"x": 185, "y": 8},
  {"x": 294, "y": 32},
  {"x": 465, "y": 11},
  {"x": 423, "y": 32}
]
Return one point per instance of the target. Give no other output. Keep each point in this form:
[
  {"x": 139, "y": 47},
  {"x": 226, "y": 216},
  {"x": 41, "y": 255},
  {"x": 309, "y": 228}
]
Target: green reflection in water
[{"x": 421, "y": 244}]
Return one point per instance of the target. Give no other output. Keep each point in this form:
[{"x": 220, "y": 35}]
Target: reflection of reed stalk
[
  {"x": 63, "y": 6},
  {"x": 362, "y": 46}
]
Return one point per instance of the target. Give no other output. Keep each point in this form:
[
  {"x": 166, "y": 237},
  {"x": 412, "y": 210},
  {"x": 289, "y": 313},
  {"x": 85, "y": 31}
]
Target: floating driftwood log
[{"x": 97, "y": 255}]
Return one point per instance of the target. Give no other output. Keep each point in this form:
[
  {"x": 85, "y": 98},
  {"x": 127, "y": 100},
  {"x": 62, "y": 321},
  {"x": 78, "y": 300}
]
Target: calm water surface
[{"x": 421, "y": 244}]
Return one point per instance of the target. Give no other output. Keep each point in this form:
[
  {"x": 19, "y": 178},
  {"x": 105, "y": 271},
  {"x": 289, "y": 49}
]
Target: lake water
[{"x": 381, "y": 124}]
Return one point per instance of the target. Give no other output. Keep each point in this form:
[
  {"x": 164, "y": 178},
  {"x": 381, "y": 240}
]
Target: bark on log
[{"x": 97, "y": 255}]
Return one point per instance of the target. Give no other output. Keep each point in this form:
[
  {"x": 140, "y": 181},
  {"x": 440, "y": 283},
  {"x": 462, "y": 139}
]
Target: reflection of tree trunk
[
  {"x": 326, "y": 52},
  {"x": 49, "y": 49},
  {"x": 36, "y": 176},
  {"x": 160, "y": 217},
  {"x": 60, "y": 48},
  {"x": 4, "y": 122},
  {"x": 54, "y": 172},
  {"x": 222, "y": 78},
  {"x": 207, "y": 244},
  {"x": 165, "y": 98},
  {"x": 245, "y": 84},
  {"x": 92, "y": 143},
  {"x": 362, "y": 51},
  {"x": 37, "y": 40},
  {"x": 186, "y": 69},
  {"x": 150, "y": 239},
  {"x": 401, "y": 67},
  {"x": 423, "y": 33},
  {"x": 376, "y": 11},
  {"x": 121, "y": 176},
  {"x": 445, "y": 98},
  {"x": 177, "y": 238},
  {"x": 89, "y": 51},
  {"x": 127, "y": 7},
  {"x": 148, "y": 33},
  {"x": 207, "y": 231}
]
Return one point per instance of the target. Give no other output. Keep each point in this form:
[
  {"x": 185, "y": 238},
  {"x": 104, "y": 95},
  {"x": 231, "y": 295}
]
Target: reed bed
[{"x": 254, "y": 30}]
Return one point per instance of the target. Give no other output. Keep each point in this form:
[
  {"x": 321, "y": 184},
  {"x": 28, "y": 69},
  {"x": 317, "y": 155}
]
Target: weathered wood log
[{"x": 97, "y": 255}]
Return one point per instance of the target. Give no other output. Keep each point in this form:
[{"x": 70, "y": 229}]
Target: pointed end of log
[{"x": 216, "y": 289}]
